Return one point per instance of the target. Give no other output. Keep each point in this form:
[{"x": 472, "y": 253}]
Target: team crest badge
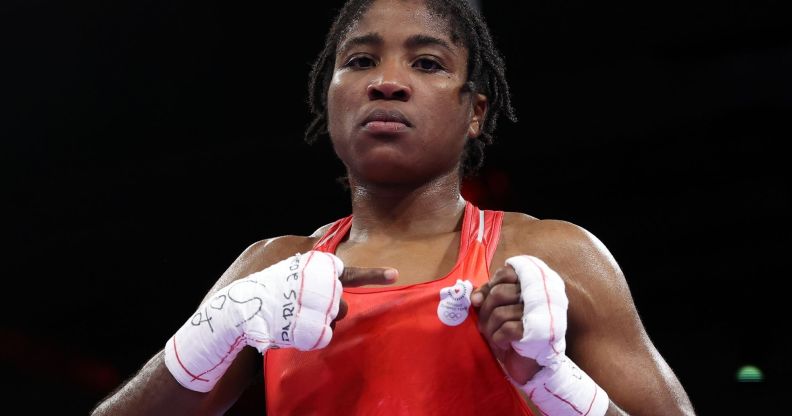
[{"x": 454, "y": 303}]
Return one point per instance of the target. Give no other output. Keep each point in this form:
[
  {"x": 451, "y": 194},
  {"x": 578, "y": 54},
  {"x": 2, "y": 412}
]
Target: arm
[
  {"x": 153, "y": 390},
  {"x": 605, "y": 337},
  {"x": 206, "y": 365}
]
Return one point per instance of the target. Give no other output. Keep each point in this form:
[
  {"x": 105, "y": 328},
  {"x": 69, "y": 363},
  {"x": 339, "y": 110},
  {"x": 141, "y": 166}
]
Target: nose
[{"x": 389, "y": 85}]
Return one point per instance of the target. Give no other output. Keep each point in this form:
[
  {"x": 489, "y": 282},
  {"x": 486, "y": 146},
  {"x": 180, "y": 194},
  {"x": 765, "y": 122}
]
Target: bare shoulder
[
  {"x": 557, "y": 239},
  {"x": 574, "y": 252},
  {"x": 266, "y": 252}
]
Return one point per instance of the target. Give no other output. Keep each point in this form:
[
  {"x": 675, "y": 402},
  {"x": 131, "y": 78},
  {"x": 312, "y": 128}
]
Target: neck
[{"x": 394, "y": 212}]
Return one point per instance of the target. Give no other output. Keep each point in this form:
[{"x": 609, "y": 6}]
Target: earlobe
[
  {"x": 479, "y": 114},
  {"x": 474, "y": 129}
]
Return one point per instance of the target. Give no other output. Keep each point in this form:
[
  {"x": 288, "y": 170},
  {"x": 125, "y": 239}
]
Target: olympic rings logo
[{"x": 454, "y": 316}]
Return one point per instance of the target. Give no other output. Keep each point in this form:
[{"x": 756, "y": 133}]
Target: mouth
[{"x": 385, "y": 121}]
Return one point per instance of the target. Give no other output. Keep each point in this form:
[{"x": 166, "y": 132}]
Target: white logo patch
[{"x": 454, "y": 303}]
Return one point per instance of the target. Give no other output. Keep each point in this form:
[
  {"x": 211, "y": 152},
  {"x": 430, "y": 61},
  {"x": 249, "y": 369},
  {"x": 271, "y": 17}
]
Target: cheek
[
  {"x": 336, "y": 126},
  {"x": 332, "y": 108},
  {"x": 338, "y": 110},
  {"x": 457, "y": 112},
  {"x": 450, "y": 97}
]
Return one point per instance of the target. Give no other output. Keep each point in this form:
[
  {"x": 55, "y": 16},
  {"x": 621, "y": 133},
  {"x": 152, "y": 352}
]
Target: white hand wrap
[
  {"x": 560, "y": 388},
  {"x": 289, "y": 304}
]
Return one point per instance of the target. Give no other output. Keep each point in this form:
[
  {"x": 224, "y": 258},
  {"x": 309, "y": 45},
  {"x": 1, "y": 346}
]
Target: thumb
[{"x": 478, "y": 295}]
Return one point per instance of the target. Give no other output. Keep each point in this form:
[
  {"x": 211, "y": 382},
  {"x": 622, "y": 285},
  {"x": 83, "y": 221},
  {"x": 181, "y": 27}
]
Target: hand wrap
[
  {"x": 289, "y": 304},
  {"x": 560, "y": 388}
]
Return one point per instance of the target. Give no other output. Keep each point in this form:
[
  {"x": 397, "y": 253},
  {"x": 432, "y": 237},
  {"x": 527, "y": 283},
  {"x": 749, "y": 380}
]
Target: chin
[{"x": 384, "y": 174}]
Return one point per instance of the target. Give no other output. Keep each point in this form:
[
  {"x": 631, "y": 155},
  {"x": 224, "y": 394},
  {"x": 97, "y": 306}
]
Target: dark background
[{"x": 145, "y": 144}]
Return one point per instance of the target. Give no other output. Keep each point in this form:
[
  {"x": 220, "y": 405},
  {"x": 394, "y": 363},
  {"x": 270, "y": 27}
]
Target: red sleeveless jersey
[{"x": 393, "y": 355}]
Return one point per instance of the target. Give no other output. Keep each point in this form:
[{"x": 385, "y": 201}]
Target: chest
[{"x": 417, "y": 260}]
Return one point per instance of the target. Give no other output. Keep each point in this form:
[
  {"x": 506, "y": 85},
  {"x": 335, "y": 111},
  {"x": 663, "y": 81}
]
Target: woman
[{"x": 418, "y": 302}]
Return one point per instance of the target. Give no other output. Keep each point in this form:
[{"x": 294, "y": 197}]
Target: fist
[
  {"x": 291, "y": 304},
  {"x": 522, "y": 314},
  {"x": 544, "y": 316}
]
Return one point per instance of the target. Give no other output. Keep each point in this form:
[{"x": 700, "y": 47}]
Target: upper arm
[{"x": 605, "y": 335}]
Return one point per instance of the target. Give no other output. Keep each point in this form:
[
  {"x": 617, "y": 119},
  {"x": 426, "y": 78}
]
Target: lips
[{"x": 385, "y": 121}]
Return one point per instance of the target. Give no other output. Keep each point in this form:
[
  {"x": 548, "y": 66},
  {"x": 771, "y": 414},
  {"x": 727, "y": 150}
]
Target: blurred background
[{"x": 145, "y": 144}]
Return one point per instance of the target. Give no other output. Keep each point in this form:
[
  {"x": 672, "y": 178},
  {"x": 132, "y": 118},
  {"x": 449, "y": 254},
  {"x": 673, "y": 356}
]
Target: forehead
[{"x": 399, "y": 17}]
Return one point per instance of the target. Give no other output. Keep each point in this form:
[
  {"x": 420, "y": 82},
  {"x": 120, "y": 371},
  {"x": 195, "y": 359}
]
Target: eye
[
  {"x": 360, "y": 62},
  {"x": 427, "y": 65}
]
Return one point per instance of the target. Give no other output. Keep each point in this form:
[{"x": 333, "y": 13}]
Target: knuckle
[
  {"x": 507, "y": 332},
  {"x": 506, "y": 293},
  {"x": 499, "y": 275},
  {"x": 510, "y": 273},
  {"x": 513, "y": 329},
  {"x": 500, "y": 338},
  {"x": 490, "y": 326},
  {"x": 493, "y": 290},
  {"x": 497, "y": 291},
  {"x": 500, "y": 314}
]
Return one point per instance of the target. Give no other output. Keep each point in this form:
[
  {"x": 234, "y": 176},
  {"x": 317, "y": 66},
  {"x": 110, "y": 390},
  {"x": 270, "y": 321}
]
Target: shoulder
[
  {"x": 571, "y": 250},
  {"x": 521, "y": 232},
  {"x": 594, "y": 283},
  {"x": 265, "y": 252},
  {"x": 271, "y": 250}
]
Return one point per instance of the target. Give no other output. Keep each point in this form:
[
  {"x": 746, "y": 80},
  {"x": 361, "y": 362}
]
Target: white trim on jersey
[
  {"x": 480, "y": 236},
  {"x": 326, "y": 238}
]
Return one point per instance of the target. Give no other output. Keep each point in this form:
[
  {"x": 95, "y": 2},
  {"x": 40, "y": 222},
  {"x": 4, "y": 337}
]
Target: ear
[{"x": 479, "y": 114}]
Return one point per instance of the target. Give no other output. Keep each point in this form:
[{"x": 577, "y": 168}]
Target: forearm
[
  {"x": 212, "y": 358},
  {"x": 152, "y": 391}
]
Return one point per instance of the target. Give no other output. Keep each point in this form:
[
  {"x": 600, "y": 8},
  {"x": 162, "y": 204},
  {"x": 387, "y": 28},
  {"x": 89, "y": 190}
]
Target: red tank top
[{"x": 392, "y": 354}]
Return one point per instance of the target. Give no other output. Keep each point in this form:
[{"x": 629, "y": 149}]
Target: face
[{"x": 397, "y": 111}]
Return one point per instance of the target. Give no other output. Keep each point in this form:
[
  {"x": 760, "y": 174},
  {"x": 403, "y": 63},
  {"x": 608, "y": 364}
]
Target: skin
[{"x": 405, "y": 188}]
